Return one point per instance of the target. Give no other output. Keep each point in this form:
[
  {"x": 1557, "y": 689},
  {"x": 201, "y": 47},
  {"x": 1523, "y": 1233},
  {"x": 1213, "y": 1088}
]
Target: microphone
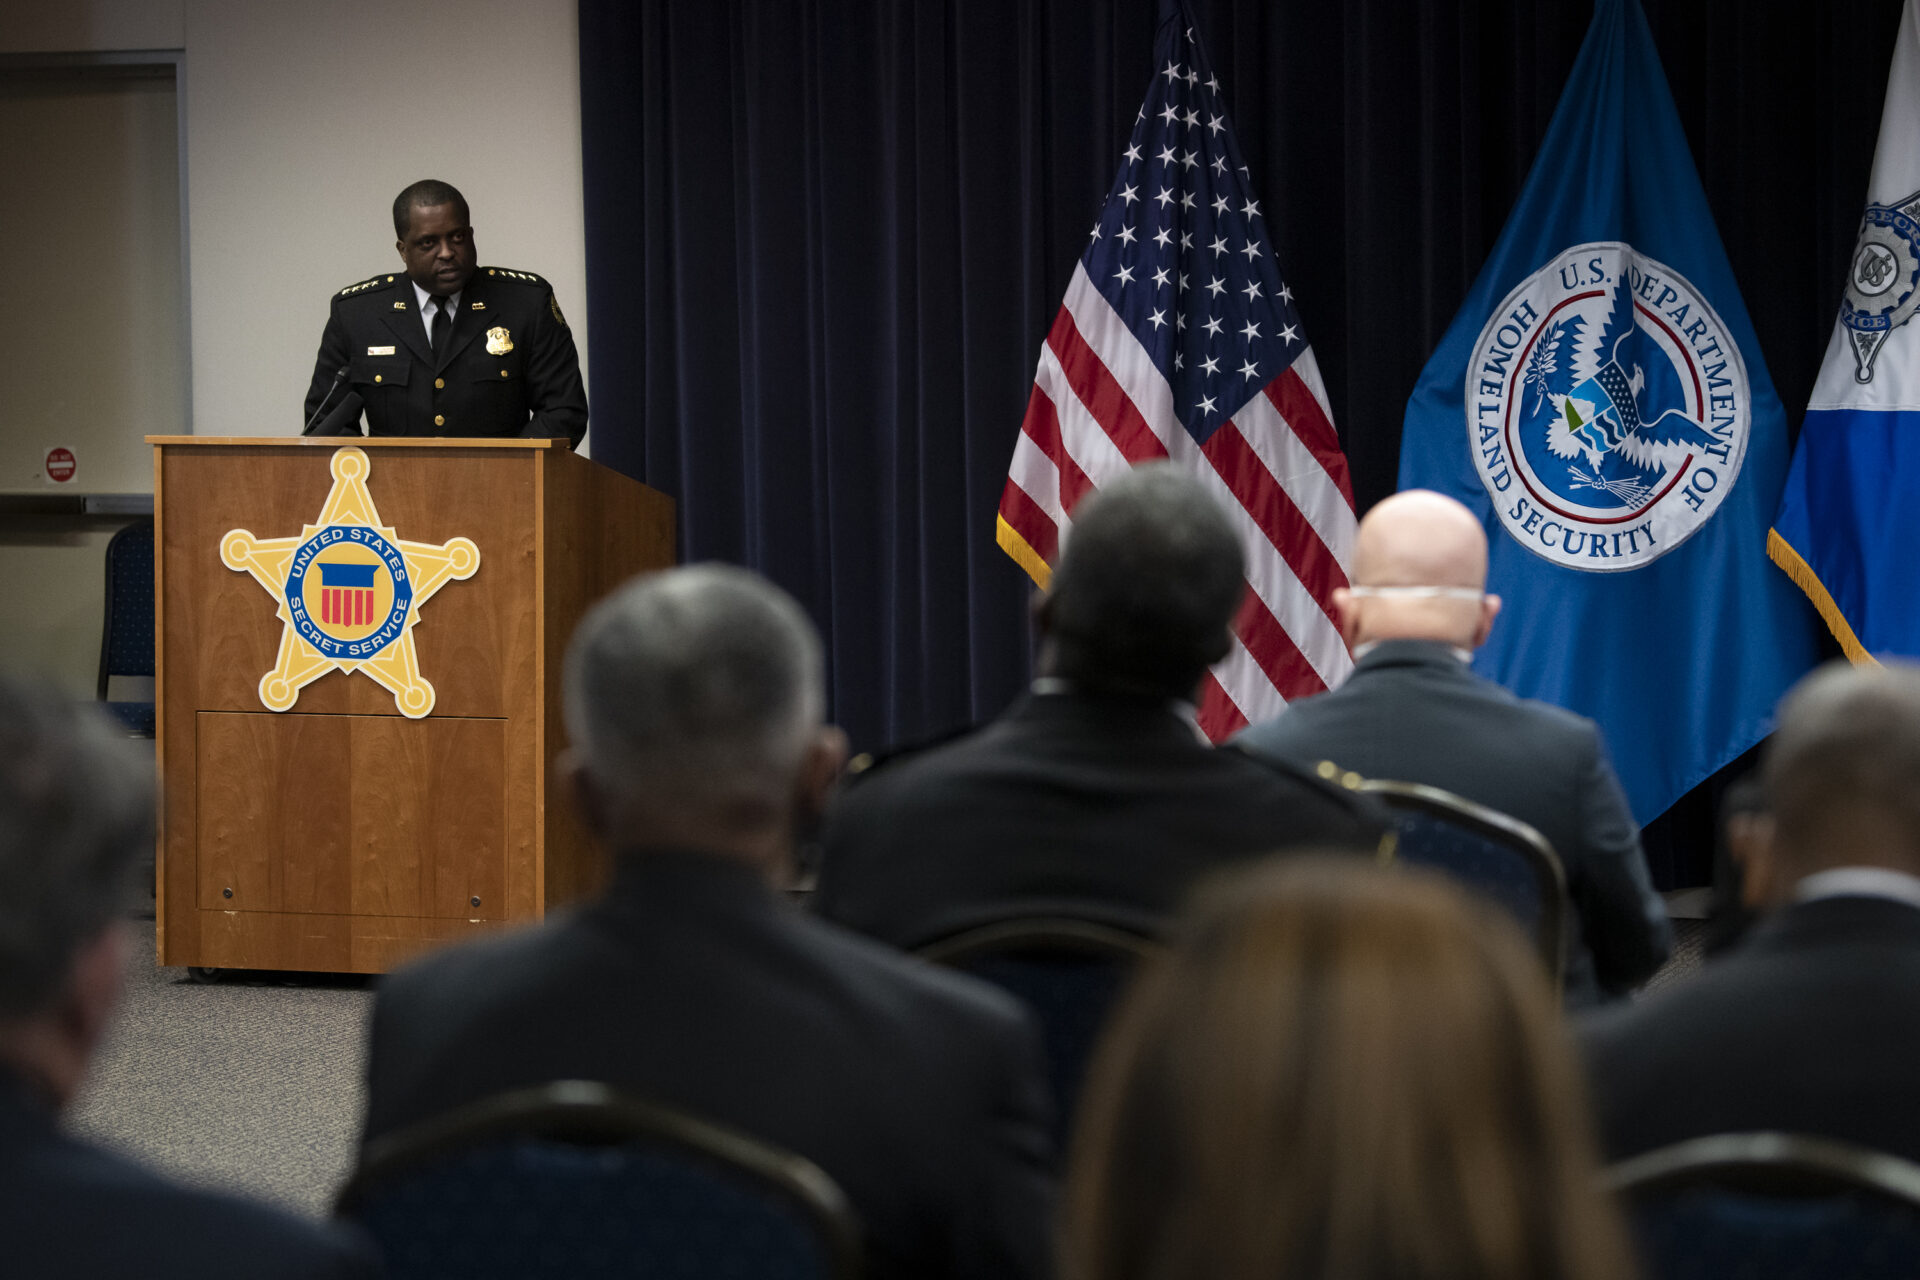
[
  {"x": 340, "y": 375},
  {"x": 345, "y": 418}
]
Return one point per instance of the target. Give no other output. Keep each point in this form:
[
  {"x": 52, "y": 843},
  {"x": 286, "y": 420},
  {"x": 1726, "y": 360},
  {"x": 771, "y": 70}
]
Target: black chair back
[
  {"x": 1498, "y": 856},
  {"x": 1069, "y": 969},
  {"x": 126, "y": 632},
  {"x": 1772, "y": 1206},
  {"x": 573, "y": 1179}
]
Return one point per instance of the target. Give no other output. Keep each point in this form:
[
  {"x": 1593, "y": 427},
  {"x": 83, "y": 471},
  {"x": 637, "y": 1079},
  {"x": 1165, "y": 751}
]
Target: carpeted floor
[
  {"x": 250, "y": 1086},
  {"x": 253, "y": 1085},
  {"x": 1689, "y": 951}
]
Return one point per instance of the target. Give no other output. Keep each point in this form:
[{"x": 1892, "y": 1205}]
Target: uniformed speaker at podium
[{"x": 445, "y": 348}]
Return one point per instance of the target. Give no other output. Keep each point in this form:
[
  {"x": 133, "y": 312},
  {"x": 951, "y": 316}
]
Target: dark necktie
[{"x": 442, "y": 324}]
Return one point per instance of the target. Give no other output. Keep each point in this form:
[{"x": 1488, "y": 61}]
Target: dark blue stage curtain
[{"x": 825, "y": 239}]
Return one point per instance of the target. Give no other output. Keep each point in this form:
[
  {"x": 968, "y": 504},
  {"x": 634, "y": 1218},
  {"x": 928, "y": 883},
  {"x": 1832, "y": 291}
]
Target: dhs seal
[
  {"x": 1607, "y": 409},
  {"x": 1883, "y": 281},
  {"x": 348, "y": 592}
]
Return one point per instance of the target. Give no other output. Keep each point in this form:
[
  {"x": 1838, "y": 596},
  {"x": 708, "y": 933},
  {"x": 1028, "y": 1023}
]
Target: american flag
[{"x": 1178, "y": 340}]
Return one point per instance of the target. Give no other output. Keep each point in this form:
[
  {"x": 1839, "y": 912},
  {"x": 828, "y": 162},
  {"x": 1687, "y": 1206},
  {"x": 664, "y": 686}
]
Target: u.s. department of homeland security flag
[
  {"x": 1840, "y": 533},
  {"x": 1601, "y": 402}
]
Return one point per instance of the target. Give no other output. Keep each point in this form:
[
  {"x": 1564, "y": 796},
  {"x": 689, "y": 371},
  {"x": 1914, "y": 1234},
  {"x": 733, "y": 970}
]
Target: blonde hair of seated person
[{"x": 1338, "y": 1071}]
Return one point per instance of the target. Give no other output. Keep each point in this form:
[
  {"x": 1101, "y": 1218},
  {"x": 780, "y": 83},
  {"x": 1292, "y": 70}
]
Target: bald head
[
  {"x": 1419, "y": 568},
  {"x": 1843, "y": 771}
]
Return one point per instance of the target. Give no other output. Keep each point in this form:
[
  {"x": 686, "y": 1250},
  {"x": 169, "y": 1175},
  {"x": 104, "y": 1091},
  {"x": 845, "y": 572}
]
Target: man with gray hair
[
  {"x": 1096, "y": 794},
  {"x": 1413, "y": 711},
  {"x": 1811, "y": 1024},
  {"x": 693, "y": 701},
  {"x": 75, "y": 814}
]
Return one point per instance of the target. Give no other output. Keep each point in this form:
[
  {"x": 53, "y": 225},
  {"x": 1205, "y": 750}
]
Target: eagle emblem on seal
[{"x": 1614, "y": 430}]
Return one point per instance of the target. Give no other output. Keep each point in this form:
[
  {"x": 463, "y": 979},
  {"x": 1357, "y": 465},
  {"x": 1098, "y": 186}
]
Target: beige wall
[
  {"x": 301, "y": 123},
  {"x": 52, "y": 585},
  {"x": 70, "y": 26},
  {"x": 92, "y": 254}
]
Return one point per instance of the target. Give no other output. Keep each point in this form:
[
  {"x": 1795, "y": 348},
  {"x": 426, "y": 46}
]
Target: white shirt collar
[
  {"x": 1859, "y": 882},
  {"x": 424, "y": 299},
  {"x": 1464, "y": 655}
]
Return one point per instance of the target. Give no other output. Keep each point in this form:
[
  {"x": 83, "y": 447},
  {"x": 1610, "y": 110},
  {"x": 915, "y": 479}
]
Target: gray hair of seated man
[
  {"x": 76, "y": 812},
  {"x": 1843, "y": 769},
  {"x": 695, "y": 688},
  {"x": 1147, "y": 585}
]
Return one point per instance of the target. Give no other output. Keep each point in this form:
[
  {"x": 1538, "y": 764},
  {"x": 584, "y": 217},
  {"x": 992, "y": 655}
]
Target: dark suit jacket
[
  {"x": 72, "y": 1210},
  {"x": 691, "y": 983},
  {"x": 523, "y": 380},
  {"x": 1105, "y": 803},
  {"x": 1412, "y": 712},
  {"x": 1810, "y": 1025}
]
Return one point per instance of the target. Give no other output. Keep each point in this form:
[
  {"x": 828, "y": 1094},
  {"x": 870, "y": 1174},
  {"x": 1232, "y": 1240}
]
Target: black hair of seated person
[
  {"x": 1146, "y": 588},
  {"x": 428, "y": 193},
  {"x": 1729, "y": 917}
]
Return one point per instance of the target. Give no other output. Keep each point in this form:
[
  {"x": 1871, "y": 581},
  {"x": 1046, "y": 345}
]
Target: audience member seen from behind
[
  {"x": 693, "y": 703},
  {"x": 1413, "y": 711},
  {"x": 75, "y": 814},
  {"x": 1744, "y": 828},
  {"x": 1811, "y": 1023},
  {"x": 1097, "y": 792},
  {"x": 1338, "y": 1072}
]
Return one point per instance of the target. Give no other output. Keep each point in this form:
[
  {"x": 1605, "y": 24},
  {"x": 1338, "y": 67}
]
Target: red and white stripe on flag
[
  {"x": 1100, "y": 405},
  {"x": 1178, "y": 340}
]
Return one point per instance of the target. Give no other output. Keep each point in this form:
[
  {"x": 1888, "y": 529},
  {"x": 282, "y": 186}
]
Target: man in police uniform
[{"x": 445, "y": 348}]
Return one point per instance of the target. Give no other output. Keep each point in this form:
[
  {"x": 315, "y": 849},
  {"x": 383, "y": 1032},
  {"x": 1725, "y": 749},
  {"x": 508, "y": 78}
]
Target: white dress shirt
[
  {"x": 429, "y": 308},
  {"x": 1859, "y": 882}
]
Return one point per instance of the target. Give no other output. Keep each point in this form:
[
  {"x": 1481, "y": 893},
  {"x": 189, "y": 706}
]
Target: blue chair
[
  {"x": 1069, "y": 969},
  {"x": 572, "y": 1179},
  {"x": 1497, "y": 856},
  {"x": 126, "y": 633},
  {"x": 1772, "y": 1206}
]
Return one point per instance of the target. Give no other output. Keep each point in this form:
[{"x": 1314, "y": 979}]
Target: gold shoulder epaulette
[
  {"x": 364, "y": 285},
  {"x": 505, "y": 272}
]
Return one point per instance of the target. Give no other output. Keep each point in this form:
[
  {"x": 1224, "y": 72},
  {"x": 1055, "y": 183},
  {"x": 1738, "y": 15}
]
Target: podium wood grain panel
[
  {"x": 428, "y": 817},
  {"x": 349, "y": 836},
  {"x": 327, "y": 944},
  {"x": 597, "y": 530},
  {"x": 272, "y": 829}
]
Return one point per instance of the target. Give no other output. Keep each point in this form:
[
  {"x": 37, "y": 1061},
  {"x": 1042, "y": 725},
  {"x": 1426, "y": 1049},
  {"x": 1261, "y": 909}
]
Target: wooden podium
[{"x": 345, "y": 833}]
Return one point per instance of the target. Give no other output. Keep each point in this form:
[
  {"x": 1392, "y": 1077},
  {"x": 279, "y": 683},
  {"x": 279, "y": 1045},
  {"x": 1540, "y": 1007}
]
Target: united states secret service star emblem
[{"x": 349, "y": 592}]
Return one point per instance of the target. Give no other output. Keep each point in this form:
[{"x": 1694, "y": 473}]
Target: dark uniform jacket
[
  {"x": 1104, "y": 805},
  {"x": 691, "y": 983},
  {"x": 1810, "y": 1025},
  {"x": 72, "y": 1210},
  {"x": 1413, "y": 712},
  {"x": 510, "y": 367}
]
